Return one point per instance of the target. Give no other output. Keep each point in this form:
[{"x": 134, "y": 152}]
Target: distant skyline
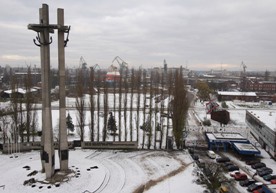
[{"x": 199, "y": 34}]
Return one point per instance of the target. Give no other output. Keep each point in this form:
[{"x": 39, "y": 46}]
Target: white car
[{"x": 211, "y": 154}]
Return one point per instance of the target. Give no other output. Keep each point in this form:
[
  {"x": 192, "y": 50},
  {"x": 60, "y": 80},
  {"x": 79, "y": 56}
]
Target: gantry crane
[{"x": 121, "y": 62}]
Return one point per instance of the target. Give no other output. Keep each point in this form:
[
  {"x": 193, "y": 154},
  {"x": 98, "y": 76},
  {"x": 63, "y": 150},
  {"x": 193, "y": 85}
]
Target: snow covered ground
[
  {"x": 105, "y": 171},
  {"x": 122, "y": 171}
]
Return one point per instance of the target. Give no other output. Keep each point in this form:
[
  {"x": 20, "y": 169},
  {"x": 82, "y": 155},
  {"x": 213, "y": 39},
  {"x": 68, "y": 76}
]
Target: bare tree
[
  {"x": 28, "y": 101},
  {"x": 114, "y": 101},
  {"x": 180, "y": 107},
  {"x": 125, "y": 103},
  {"x": 138, "y": 88},
  {"x": 145, "y": 104},
  {"x": 150, "y": 110},
  {"x": 34, "y": 122},
  {"x": 98, "y": 104},
  {"x": 14, "y": 107},
  {"x": 80, "y": 104},
  {"x": 120, "y": 102},
  {"x": 131, "y": 104},
  {"x": 92, "y": 103},
  {"x": 105, "y": 110},
  {"x": 170, "y": 88},
  {"x": 162, "y": 110},
  {"x": 156, "y": 109}
]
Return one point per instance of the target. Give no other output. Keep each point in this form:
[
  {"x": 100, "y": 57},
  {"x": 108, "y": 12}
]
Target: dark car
[
  {"x": 247, "y": 182},
  {"x": 265, "y": 172},
  {"x": 195, "y": 157},
  {"x": 254, "y": 186},
  {"x": 252, "y": 162},
  {"x": 223, "y": 159},
  {"x": 269, "y": 177},
  {"x": 258, "y": 165},
  {"x": 262, "y": 169},
  {"x": 227, "y": 164},
  {"x": 191, "y": 151},
  {"x": 231, "y": 168}
]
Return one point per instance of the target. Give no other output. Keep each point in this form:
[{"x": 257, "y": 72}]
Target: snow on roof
[
  {"x": 237, "y": 93},
  {"x": 245, "y": 147},
  {"x": 268, "y": 117},
  {"x": 225, "y": 137},
  {"x": 20, "y": 90}
]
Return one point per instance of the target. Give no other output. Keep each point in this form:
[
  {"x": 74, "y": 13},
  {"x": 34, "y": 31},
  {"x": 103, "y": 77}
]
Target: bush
[{"x": 224, "y": 105}]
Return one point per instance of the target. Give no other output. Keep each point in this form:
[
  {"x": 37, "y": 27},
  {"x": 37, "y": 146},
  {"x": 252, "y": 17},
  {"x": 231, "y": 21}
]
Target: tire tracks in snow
[
  {"x": 149, "y": 184},
  {"x": 115, "y": 177}
]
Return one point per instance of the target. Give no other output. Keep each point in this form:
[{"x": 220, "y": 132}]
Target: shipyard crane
[
  {"x": 244, "y": 67},
  {"x": 82, "y": 63},
  {"x": 121, "y": 62}
]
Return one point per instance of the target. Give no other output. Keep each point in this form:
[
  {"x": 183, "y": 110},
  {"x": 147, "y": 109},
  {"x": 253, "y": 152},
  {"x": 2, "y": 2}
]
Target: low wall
[
  {"x": 110, "y": 145},
  {"x": 28, "y": 146}
]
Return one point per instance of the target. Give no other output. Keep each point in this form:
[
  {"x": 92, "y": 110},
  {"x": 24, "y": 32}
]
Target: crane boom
[{"x": 123, "y": 65}]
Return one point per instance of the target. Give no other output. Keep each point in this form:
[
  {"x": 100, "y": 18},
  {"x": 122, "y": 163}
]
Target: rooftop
[{"x": 268, "y": 117}]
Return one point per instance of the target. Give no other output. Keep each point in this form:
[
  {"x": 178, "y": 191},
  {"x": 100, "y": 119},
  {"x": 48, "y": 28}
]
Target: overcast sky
[{"x": 199, "y": 34}]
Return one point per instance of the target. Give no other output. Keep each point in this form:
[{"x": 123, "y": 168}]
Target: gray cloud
[{"x": 197, "y": 33}]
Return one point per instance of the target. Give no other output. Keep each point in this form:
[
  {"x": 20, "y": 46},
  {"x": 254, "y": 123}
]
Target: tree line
[{"x": 139, "y": 111}]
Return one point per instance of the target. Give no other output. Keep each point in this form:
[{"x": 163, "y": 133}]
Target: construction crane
[{"x": 121, "y": 62}]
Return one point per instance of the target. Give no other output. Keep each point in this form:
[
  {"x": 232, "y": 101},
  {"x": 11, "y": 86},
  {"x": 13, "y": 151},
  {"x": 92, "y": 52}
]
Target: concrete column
[
  {"x": 48, "y": 153},
  {"x": 63, "y": 144},
  {"x": 43, "y": 97}
]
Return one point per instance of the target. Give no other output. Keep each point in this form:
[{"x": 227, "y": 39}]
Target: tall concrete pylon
[
  {"x": 47, "y": 147},
  {"x": 63, "y": 143}
]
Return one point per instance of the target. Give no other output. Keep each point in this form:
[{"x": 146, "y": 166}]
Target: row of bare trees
[
  {"x": 139, "y": 107},
  {"x": 151, "y": 114},
  {"x": 19, "y": 123}
]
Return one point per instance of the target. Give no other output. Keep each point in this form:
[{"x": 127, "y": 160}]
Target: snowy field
[
  {"x": 105, "y": 171},
  {"x": 121, "y": 171}
]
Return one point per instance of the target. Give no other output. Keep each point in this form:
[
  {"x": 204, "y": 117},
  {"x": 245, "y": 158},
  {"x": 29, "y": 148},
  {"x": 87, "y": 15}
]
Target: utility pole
[{"x": 43, "y": 40}]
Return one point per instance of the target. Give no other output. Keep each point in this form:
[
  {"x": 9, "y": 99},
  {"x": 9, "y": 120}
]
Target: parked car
[
  {"x": 248, "y": 182},
  {"x": 254, "y": 186},
  {"x": 227, "y": 164},
  {"x": 260, "y": 190},
  {"x": 223, "y": 159},
  {"x": 231, "y": 168},
  {"x": 252, "y": 162},
  {"x": 191, "y": 151},
  {"x": 269, "y": 177},
  {"x": 211, "y": 154},
  {"x": 273, "y": 181},
  {"x": 240, "y": 176},
  {"x": 258, "y": 165},
  {"x": 265, "y": 171},
  {"x": 262, "y": 169},
  {"x": 232, "y": 174},
  {"x": 195, "y": 157},
  {"x": 223, "y": 189}
]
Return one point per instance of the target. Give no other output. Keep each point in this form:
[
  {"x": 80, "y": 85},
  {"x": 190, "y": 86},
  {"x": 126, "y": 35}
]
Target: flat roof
[
  {"x": 245, "y": 147},
  {"x": 221, "y": 136},
  {"x": 236, "y": 93},
  {"x": 267, "y": 117}
]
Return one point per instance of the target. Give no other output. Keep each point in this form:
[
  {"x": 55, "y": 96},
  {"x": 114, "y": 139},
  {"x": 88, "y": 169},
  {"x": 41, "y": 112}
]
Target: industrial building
[{"x": 263, "y": 128}]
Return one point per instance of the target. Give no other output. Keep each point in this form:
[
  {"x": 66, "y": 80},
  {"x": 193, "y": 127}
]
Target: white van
[{"x": 211, "y": 154}]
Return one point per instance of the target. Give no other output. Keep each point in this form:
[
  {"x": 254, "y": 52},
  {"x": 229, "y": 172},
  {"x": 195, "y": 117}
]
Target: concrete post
[
  {"x": 49, "y": 153},
  {"x": 63, "y": 144},
  {"x": 43, "y": 97}
]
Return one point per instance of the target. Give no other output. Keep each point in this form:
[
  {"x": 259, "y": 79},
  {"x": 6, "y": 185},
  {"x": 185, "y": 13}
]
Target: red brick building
[{"x": 262, "y": 86}]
